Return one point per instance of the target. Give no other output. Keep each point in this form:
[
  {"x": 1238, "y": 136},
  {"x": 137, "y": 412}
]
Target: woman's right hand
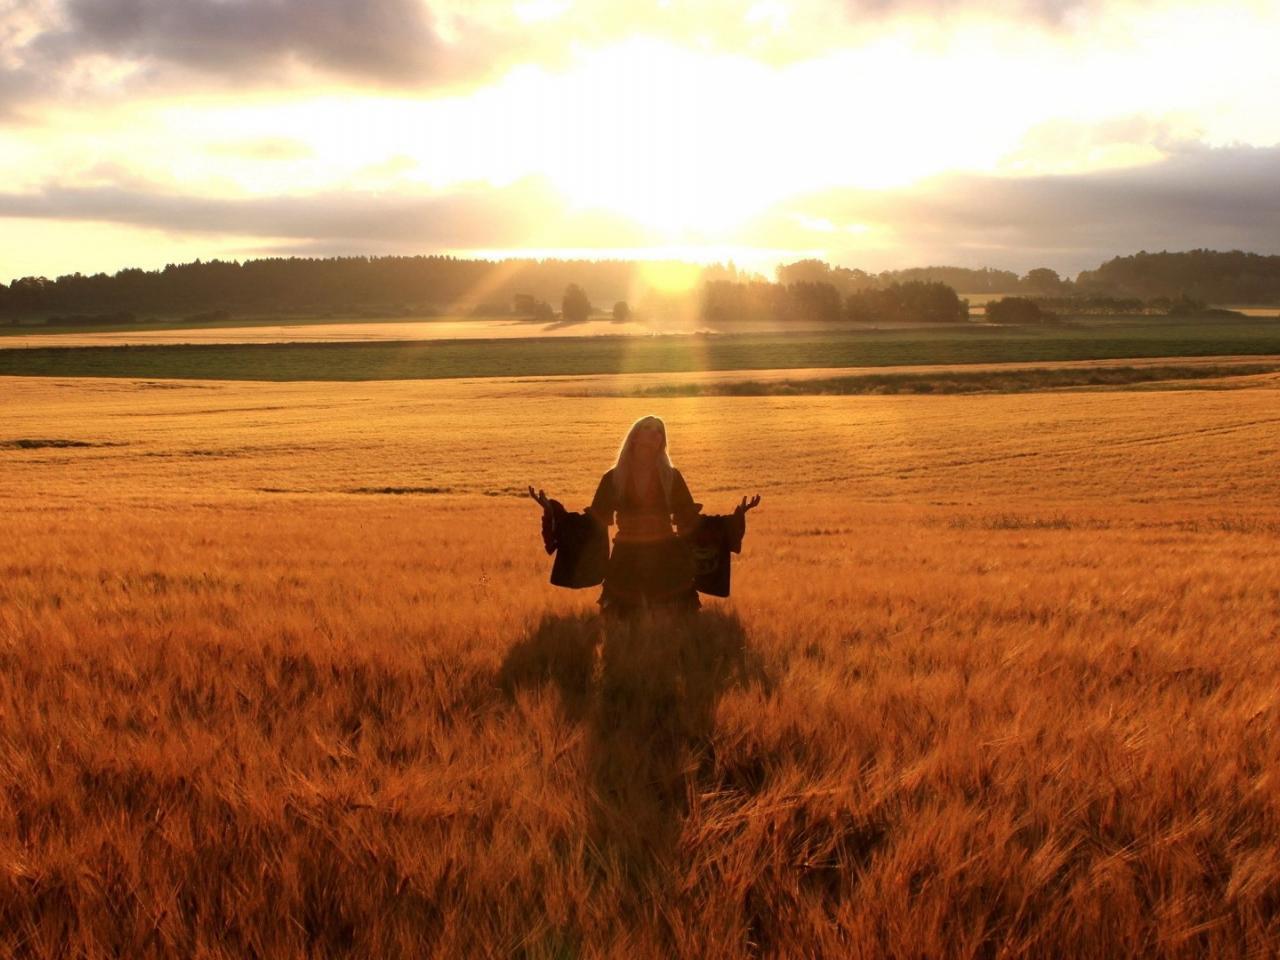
[{"x": 540, "y": 498}]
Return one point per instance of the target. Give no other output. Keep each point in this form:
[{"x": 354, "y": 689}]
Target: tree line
[
  {"x": 381, "y": 286},
  {"x": 848, "y": 280},
  {"x": 1205, "y": 275},
  {"x": 1165, "y": 279},
  {"x": 806, "y": 289},
  {"x": 725, "y": 301}
]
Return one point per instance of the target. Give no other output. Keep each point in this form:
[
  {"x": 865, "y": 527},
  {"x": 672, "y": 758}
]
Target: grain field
[{"x": 283, "y": 677}]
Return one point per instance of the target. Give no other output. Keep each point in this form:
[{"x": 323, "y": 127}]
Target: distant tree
[
  {"x": 842, "y": 279},
  {"x": 727, "y": 271},
  {"x": 963, "y": 279},
  {"x": 543, "y": 311},
  {"x": 1184, "y": 306},
  {"x": 621, "y": 312},
  {"x": 1210, "y": 276},
  {"x": 574, "y": 306},
  {"x": 524, "y": 305},
  {"x": 813, "y": 302},
  {"x": 1099, "y": 306},
  {"x": 912, "y": 302},
  {"x": 1044, "y": 282},
  {"x": 31, "y": 293},
  {"x": 804, "y": 271},
  {"x": 849, "y": 281},
  {"x": 724, "y": 301},
  {"x": 1019, "y": 310}
]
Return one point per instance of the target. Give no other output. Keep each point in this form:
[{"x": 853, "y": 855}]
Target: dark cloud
[
  {"x": 19, "y": 82},
  {"x": 393, "y": 41},
  {"x": 1199, "y": 197},
  {"x": 171, "y": 46},
  {"x": 16, "y": 88},
  {"x": 527, "y": 213}
]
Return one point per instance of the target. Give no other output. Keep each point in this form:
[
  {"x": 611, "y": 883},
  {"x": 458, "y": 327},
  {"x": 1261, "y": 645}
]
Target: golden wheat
[{"x": 1000, "y": 677}]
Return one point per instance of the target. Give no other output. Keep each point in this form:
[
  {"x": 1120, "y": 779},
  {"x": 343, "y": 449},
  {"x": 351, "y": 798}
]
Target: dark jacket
[
  {"x": 711, "y": 542},
  {"x": 610, "y": 507},
  {"x": 580, "y": 543}
]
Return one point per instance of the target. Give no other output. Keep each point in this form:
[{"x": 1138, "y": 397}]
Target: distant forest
[
  {"x": 915, "y": 301},
  {"x": 1206, "y": 275},
  {"x": 340, "y": 286},
  {"x": 427, "y": 285}
]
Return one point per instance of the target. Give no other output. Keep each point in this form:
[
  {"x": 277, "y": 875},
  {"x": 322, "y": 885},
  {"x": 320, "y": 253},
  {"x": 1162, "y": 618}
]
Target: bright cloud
[{"x": 403, "y": 124}]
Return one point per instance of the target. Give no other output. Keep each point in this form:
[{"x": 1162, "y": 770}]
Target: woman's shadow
[{"x": 646, "y": 690}]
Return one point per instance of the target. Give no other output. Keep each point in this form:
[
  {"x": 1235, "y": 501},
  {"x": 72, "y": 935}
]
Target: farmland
[
  {"x": 595, "y": 355},
  {"x": 283, "y": 675}
]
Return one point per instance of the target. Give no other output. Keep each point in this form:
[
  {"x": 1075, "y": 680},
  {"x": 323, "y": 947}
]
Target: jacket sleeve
[
  {"x": 683, "y": 509},
  {"x": 604, "y": 503}
]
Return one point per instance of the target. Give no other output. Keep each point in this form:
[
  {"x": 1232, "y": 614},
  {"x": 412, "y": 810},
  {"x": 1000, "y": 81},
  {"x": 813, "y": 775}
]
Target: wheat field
[{"x": 283, "y": 677}]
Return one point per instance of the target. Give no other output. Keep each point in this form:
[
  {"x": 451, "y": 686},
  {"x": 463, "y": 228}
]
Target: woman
[
  {"x": 650, "y": 564},
  {"x": 644, "y": 493}
]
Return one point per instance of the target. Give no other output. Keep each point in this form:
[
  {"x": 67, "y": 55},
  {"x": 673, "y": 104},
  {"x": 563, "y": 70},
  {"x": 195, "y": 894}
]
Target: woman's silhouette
[{"x": 650, "y": 565}]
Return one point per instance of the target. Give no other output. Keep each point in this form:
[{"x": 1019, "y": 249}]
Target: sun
[
  {"x": 692, "y": 144},
  {"x": 663, "y": 140}
]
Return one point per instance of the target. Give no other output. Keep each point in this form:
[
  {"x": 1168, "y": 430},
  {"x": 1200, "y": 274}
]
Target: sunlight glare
[{"x": 669, "y": 277}]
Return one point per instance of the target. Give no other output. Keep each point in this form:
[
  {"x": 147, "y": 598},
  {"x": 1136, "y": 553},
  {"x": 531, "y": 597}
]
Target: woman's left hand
[{"x": 746, "y": 505}]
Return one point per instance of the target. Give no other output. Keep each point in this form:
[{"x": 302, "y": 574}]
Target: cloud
[
  {"x": 858, "y": 9},
  {"x": 527, "y": 213},
  {"x": 54, "y": 50},
  {"x": 392, "y": 41},
  {"x": 69, "y": 51},
  {"x": 1058, "y": 13},
  {"x": 16, "y": 88},
  {"x": 1221, "y": 198},
  {"x": 1198, "y": 197},
  {"x": 20, "y": 22}
]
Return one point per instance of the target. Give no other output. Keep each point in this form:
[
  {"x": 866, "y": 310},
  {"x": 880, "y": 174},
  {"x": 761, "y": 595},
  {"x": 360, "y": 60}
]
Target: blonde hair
[{"x": 624, "y": 467}]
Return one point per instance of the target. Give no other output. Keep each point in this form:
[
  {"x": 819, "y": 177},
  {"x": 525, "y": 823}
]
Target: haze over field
[{"x": 877, "y": 134}]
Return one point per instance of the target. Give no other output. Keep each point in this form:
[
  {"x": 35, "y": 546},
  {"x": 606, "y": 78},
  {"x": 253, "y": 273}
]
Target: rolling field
[
  {"x": 283, "y": 330},
  {"x": 599, "y": 355},
  {"x": 283, "y": 676}
]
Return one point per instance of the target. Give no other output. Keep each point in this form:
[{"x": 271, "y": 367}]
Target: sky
[{"x": 871, "y": 133}]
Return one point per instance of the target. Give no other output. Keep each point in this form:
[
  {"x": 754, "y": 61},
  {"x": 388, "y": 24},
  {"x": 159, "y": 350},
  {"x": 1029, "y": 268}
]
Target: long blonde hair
[{"x": 624, "y": 468}]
